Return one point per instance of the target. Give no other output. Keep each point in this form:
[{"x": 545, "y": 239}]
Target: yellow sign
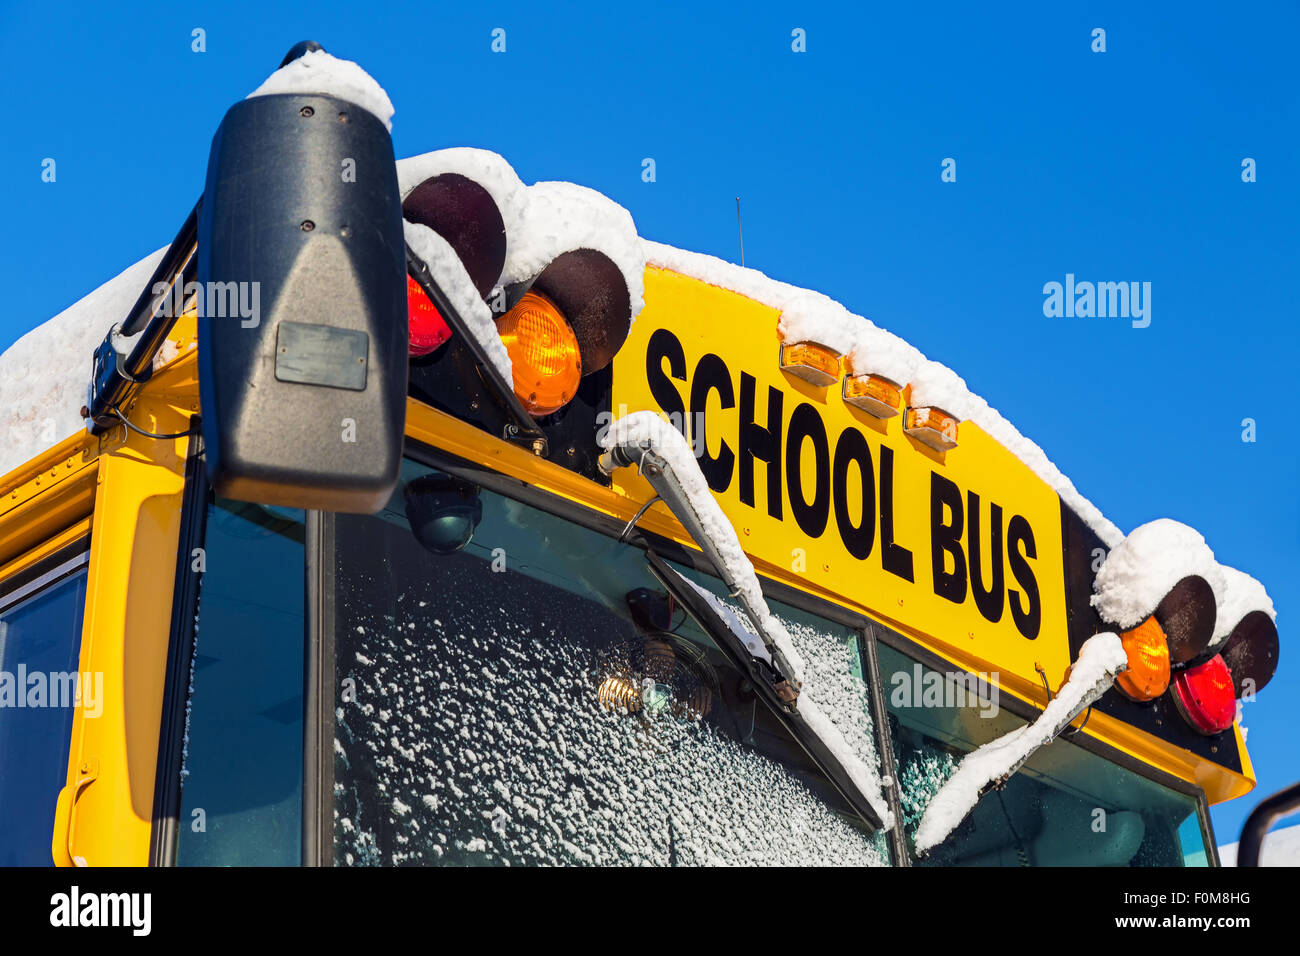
[{"x": 962, "y": 546}]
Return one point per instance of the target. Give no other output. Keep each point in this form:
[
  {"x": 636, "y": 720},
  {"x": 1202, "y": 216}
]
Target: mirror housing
[{"x": 303, "y": 322}]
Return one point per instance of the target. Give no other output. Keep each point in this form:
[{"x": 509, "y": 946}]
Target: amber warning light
[{"x": 543, "y": 351}]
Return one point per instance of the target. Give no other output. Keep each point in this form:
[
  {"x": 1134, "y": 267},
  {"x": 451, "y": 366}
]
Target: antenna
[{"x": 741, "y": 231}]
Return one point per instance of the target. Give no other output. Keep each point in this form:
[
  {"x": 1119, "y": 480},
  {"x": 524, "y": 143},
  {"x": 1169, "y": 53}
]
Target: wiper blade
[
  {"x": 522, "y": 428},
  {"x": 657, "y": 469},
  {"x": 753, "y": 659}
]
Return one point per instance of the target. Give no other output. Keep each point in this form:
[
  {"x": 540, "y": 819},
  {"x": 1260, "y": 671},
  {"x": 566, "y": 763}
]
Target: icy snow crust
[
  {"x": 455, "y": 282},
  {"x": 1241, "y": 594},
  {"x": 1141, "y": 569},
  {"x": 542, "y": 220},
  {"x": 44, "y": 375},
  {"x": 1100, "y": 659},
  {"x": 668, "y": 442},
  {"x": 318, "y": 72}
]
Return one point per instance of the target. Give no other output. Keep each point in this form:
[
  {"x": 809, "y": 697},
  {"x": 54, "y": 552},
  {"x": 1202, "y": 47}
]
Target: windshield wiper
[{"x": 752, "y": 657}]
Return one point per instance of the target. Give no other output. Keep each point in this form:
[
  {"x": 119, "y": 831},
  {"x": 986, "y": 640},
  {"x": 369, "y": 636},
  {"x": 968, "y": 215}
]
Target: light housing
[
  {"x": 1147, "y": 649},
  {"x": 874, "y": 394},
  {"x": 815, "y": 364},
  {"x": 1187, "y": 616},
  {"x": 1251, "y": 652},
  {"x": 932, "y": 426},
  {"x": 544, "y": 353},
  {"x": 429, "y": 329},
  {"x": 1205, "y": 696}
]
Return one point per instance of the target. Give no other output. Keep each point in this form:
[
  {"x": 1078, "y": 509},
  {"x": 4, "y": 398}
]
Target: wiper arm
[
  {"x": 751, "y": 657},
  {"x": 657, "y": 469},
  {"x": 521, "y": 428}
]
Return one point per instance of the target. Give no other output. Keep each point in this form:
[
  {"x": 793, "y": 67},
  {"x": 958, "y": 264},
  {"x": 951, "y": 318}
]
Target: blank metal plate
[{"x": 321, "y": 355}]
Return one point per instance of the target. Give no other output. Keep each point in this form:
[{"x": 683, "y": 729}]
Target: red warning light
[{"x": 428, "y": 328}]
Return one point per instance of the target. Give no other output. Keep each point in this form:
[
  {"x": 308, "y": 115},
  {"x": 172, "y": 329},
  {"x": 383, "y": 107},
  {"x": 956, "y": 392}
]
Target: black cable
[{"x": 140, "y": 431}]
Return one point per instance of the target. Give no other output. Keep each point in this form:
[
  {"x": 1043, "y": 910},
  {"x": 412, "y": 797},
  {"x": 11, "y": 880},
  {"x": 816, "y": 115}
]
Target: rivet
[
  {"x": 306, "y": 111},
  {"x": 307, "y": 225}
]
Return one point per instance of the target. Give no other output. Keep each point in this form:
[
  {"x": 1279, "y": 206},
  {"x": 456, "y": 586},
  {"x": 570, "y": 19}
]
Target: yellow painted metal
[{"x": 139, "y": 489}]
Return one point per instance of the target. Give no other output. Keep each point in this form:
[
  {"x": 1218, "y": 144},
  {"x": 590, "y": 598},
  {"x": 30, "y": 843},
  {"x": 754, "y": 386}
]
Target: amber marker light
[
  {"x": 815, "y": 364},
  {"x": 932, "y": 426},
  {"x": 1147, "y": 676},
  {"x": 873, "y": 394},
  {"x": 543, "y": 351}
]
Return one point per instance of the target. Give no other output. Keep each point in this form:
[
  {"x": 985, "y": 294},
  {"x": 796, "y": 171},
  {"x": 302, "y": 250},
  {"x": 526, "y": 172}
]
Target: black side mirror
[{"x": 303, "y": 319}]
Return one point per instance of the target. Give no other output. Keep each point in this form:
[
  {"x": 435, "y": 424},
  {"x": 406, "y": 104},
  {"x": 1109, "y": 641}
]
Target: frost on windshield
[
  {"x": 920, "y": 776},
  {"x": 499, "y": 721}
]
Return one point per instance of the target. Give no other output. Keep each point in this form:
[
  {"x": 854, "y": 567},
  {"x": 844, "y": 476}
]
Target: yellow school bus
[{"x": 516, "y": 647}]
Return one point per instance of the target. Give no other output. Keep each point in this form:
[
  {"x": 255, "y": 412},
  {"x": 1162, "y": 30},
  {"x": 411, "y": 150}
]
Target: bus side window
[
  {"x": 40, "y": 643},
  {"x": 241, "y": 797}
]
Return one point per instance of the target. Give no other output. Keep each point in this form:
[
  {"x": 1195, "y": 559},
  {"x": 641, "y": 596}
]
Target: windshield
[
  {"x": 534, "y": 696},
  {"x": 1065, "y": 807}
]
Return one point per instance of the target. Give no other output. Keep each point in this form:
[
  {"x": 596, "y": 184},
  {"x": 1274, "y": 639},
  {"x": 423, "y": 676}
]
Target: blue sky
[{"x": 1124, "y": 165}]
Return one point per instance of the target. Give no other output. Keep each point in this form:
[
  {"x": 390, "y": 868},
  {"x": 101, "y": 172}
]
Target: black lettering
[
  {"x": 761, "y": 443},
  {"x": 850, "y": 448},
  {"x": 894, "y": 558},
  {"x": 812, "y": 516},
  {"x": 945, "y": 538},
  {"x": 711, "y": 375},
  {"x": 1028, "y": 620},
  {"x": 664, "y": 345},
  {"x": 990, "y": 601}
]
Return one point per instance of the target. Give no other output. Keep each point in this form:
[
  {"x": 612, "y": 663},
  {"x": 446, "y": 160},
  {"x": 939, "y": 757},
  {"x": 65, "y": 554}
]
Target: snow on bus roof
[{"x": 45, "y": 374}]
